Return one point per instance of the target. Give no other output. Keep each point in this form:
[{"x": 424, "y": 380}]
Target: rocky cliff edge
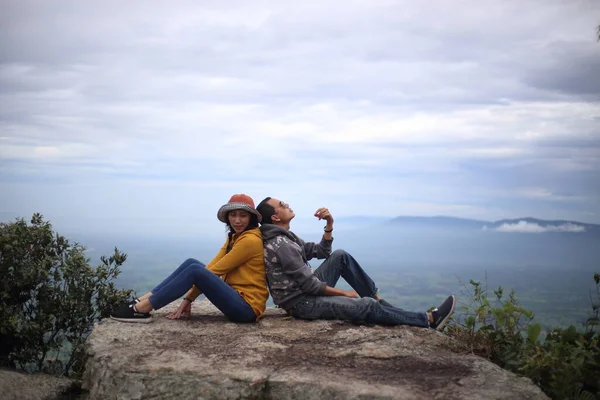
[{"x": 208, "y": 357}]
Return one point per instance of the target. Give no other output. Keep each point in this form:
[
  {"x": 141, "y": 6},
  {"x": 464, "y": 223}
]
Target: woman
[{"x": 234, "y": 281}]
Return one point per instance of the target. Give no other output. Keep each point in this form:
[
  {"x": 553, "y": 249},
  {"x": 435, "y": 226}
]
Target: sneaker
[
  {"x": 442, "y": 313},
  {"x": 128, "y": 314},
  {"x": 127, "y": 303},
  {"x": 134, "y": 301}
]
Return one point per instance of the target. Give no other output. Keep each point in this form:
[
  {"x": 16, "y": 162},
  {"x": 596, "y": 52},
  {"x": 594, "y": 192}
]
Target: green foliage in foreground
[
  {"x": 566, "y": 364},
  {"x": 50, "y": 297}
]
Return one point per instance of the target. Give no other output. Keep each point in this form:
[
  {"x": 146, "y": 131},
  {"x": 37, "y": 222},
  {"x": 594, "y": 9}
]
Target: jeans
[
  {"x": 193, "y": 272},
  {"x": 366, "y": 309}
]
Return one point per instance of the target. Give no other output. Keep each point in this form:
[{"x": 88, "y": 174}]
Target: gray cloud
[
  {"x": 484, "y": 111},
  {"x": 569, "y": 69}
]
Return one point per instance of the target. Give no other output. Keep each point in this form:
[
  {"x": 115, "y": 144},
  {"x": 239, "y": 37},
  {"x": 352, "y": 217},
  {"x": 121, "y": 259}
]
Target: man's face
[{"x": 283, "y": 213}]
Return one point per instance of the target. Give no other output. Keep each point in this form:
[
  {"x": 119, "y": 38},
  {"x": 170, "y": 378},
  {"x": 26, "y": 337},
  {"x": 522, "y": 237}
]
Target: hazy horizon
[
  {"x": 212, "y": 228},
  {"x": 414, "y": 268}
]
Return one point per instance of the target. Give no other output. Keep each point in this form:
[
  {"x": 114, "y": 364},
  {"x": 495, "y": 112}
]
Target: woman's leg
[
  {"x": 223, "y": 296},
  {"x": 183, "y": 266}
]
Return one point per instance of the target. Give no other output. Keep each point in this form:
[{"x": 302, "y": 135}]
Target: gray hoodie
[{"x": 289, "y": 276}]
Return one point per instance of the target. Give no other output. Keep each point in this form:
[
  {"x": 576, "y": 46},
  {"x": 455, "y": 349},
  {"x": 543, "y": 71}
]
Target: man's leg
[
  {"x": 366, "y": 310},
  {"x": 341, "y": 263}
]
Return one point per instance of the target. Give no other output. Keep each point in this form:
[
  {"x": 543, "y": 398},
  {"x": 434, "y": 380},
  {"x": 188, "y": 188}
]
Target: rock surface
[
  {"x": 208, "y": 357},
  {"x": 21, "y": 386}
]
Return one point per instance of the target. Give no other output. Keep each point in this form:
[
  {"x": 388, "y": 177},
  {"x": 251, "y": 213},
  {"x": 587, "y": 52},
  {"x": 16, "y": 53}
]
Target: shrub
[
  {"x": 494, "y": 328},
  {"x": 50, "y": 297},
  {"x": 566, "y": 364}
]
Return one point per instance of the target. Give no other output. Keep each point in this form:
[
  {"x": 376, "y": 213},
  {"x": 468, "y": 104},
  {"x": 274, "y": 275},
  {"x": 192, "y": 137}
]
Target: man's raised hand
[{"x": 323, "y": 213}]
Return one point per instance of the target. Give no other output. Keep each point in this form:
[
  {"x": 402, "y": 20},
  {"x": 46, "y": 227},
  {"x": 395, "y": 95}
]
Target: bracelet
[
  {"x": 327, "y": 231},
  {"x": 188, "y": 299}
]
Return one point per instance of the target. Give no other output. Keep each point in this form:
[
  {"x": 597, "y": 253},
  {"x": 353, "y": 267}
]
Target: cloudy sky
[{"x": 159, "y": 111}]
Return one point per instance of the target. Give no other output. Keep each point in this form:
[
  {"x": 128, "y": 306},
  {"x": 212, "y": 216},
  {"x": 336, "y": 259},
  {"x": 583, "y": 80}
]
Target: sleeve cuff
[
  {"x": 322, "y": 289},
  {"x": 194, "y": 293}
]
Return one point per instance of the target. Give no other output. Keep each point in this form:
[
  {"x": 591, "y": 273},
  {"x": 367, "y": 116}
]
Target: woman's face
[{"x": 239, "y": 220}]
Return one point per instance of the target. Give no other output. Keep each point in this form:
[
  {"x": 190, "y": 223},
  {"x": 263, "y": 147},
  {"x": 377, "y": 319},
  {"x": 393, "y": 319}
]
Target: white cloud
[{"x": 530, "y": 227}]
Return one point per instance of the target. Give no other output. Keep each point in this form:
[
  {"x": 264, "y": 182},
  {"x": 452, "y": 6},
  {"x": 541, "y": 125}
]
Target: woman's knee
[
  {"x": 191, "y": 261},
  {"x": 198, "y": 271},
  {"x": 195, "y": 265}
]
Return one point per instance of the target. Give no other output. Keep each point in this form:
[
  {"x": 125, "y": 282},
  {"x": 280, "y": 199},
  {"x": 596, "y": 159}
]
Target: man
[{"x": 312, "y": 295}]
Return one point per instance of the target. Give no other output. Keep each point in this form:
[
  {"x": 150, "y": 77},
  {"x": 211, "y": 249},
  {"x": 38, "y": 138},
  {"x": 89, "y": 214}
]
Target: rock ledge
[
  {"x": 207, "y": 357},
  {"x": 15, "y": 385}
]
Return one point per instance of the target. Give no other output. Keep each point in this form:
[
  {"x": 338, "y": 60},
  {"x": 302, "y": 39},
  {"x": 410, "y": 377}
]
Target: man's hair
[{"x": 266, "y": 210}]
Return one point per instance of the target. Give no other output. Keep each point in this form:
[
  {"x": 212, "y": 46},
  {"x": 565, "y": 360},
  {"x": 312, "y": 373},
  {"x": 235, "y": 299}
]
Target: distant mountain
[
  {"x": 361, "y": 220},
  {"x": 524, "y": 225},
  {"x": 438, "y": 222}
]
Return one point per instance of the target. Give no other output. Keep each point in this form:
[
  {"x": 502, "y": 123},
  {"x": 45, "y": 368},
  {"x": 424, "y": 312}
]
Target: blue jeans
[
  {"x": 366, "y": 309},
  {"x": 193, "y": 272}
]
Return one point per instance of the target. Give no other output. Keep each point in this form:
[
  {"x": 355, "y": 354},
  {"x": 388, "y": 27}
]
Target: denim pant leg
[
  {"x": 223, "y": 296},
  {"x": 366, "y": 310},
  {"x": 341, "y": 263},
  {"x": 183, "y": 266}
]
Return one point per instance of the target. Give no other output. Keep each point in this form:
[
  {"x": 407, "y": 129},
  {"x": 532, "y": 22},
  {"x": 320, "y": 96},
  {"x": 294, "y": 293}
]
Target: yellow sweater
[{"x": 243, "y": 268}]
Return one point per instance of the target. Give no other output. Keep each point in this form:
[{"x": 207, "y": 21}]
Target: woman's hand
[
  {"x": 187, "y": 310},
  {"x": 351, "y": 293},
  {"x": 183, "y": 311}
]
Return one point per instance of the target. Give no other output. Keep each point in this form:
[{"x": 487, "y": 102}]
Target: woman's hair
[{"x": 253, "y": 223}]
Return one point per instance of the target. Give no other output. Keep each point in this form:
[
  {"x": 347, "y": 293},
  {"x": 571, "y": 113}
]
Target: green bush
[
  {"x": 50, "y": 297},
  {"x": 565, "y": 364},
  {"x": 497, "y": 325}
]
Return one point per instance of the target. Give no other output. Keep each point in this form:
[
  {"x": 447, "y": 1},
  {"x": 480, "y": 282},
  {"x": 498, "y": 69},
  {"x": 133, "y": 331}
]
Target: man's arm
[
  {"x": 331, "y": 291},
  {"x": 325, "y": 245},
  {"x": 322, "y": 249},
  {"x": 294, "y": 267},
  {"x": 319, "y": 250}
]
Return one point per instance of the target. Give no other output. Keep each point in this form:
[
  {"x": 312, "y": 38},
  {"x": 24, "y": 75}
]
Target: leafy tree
[{"x": 50, "y": 297}]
